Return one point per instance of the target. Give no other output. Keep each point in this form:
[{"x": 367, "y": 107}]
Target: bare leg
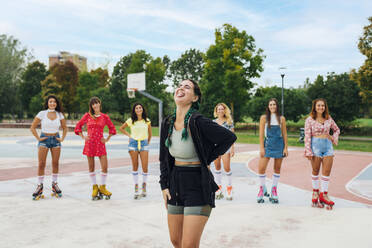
[
  {"x": 326, "y": 170},
  {"x": 56, "y": 152},
  {"x": 193, "y": 226},
  {"x": 42, "y": 155},
  {"x": 226, "y": 162},
  {"x": 277, "y": 165},
  {"x": 103, "y": 161},
  {"x": 144, "y": 155},
  {"x": 217, "y": 163},
  {"x": 134, "y": 157},
  {"x": 91, "y": 163},
  {"x": 262, "y": 165},
  {"x": 175, "y": 225}
]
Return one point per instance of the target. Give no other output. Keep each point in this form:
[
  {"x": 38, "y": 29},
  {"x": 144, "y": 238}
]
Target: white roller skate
[
  {"x": 219, "y": 193},
  {"x": 229, "y": 196}
]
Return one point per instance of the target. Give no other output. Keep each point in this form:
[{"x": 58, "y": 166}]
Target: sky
[{"x": 309, "y": 38}]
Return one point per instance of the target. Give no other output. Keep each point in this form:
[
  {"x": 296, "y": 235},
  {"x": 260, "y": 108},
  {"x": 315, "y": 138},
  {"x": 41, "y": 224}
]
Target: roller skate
[
  {"x": 136, "y": 193},
  {"x": 38, "y": 193},
  {"x": 95, "y": 193},
  {"x": 274, "y": 195},
  {"x": 103, "y": 192},
  {"x": 229, "y": 193},
  {"x": 219, "y": 193},
  {"x": 56, "y": 191},
  {"x": 324, "y": 199},
  {"x": 315, "y": 199},
  {"x": 261, "y": 194},
  {"x": 143, "y": 194}
]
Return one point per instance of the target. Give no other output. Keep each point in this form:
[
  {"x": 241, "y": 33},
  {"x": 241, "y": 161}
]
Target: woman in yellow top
[{"x": 139, "y": 140}]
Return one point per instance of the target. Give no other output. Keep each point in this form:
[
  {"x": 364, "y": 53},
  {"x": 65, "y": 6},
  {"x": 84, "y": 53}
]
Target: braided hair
[{"x": 194, "y": 108}]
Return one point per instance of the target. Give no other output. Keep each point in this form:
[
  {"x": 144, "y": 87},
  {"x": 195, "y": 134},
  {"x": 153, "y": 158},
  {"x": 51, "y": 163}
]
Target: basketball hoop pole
[{"x": 160, "y": 102}]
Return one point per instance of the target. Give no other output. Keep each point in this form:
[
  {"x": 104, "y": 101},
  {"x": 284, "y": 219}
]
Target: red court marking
[
  {"x": 296, "y": 171},
  {"x": 27, "y": 172}
]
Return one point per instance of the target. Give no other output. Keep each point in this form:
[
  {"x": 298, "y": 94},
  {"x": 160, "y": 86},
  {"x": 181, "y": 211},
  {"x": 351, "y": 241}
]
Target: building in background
[{"x": 79, "y": 61}]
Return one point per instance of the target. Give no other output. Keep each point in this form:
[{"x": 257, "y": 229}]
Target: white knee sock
[
  {"x": 229, "y": 178},
  {"x": 315, "y": 181},
  {"x": 324, "y": 182},
  {"x": 135, "y": 176},
  {"x": 54, "y": 177},
  {"x": 218, "y": 177},
  {"x": 275, "y": 179},
  {"x": 103, "y": 178},
  {"x": 40, "y": 179},
  {"x": 92, "y": 176},
  {"x": 262, "y": 179},
  {"x": 144, "y": 177}
]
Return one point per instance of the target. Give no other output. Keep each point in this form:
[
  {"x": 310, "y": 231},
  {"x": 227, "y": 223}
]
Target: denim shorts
[
  {"x": 321, "y": 147},
  {"x": 50, "y": 142},
  {"x": 140, "y": 146}
]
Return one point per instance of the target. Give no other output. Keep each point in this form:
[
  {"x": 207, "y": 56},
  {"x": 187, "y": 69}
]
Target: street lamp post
[{"x": 282, "y": 74}]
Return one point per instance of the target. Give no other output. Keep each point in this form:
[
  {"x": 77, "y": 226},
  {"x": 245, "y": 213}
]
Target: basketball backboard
[{"x": 137, "y": 81}]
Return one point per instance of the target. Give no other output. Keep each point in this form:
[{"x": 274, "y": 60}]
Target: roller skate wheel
[{"x": 260, "y": 201}]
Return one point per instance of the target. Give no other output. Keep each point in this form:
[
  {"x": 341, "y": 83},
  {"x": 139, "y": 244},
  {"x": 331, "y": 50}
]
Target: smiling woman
[
  {"x": 95, "y": 144},
  {"x": 51, "y": 119}
]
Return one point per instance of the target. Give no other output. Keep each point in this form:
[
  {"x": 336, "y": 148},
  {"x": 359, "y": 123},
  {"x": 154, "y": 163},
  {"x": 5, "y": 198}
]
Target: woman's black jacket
[{"x": 210, "y": 139}]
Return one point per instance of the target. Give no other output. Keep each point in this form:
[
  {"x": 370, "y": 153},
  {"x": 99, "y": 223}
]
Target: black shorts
[{"x": 188, "y": 187}]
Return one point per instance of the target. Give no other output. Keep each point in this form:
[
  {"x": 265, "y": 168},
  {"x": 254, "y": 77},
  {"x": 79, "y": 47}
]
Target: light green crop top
[{"x": 182, "y": 150}]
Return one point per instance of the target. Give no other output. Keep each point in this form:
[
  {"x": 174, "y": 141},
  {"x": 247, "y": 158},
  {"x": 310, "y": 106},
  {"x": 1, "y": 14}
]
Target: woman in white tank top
[{"x": 51, "y": 119}]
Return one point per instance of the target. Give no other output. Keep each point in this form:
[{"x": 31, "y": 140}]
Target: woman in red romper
[{"x": 95, "y": 144}]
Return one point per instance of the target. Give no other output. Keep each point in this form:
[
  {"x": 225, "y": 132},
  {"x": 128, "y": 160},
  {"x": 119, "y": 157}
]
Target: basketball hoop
[{"x": 131, "y": 93}]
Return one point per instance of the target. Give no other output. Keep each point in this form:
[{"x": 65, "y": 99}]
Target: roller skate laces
[
  {"x": 103, "y": 192},
  {"x": 143, "y": 194},
  {"x": 274, "y": 196},
  {"x": 219, "y": 193},
  {"x": 56, "y": 191},
  {"x": 315, "y": 199},
  {"x": 136, "y": 193},
  {"x": 324, "y": 199},
  {"x": 38, "y": 194},
  {"x": 261, "y": 193},
  {"x": 229, "y": 193}
]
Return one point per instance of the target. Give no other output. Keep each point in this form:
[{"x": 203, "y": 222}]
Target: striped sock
[
  {"x": 262, "y": 179},
  {"x": 54, "y": 177},
  {"x": 315, "y": 181},
  {"x": 229, "y": 178},
  {"x": 92, "y": 176},
  {"x": 275, "y": 179},
  {"x": 144, "y": 177},
  {"x": 103, "y": 178},
  {"x": 40, "y": 179},
  {"x": 135, "y": 176},
  {"x": 324, "y": 182},
  {"x": 218, "y": 174}
]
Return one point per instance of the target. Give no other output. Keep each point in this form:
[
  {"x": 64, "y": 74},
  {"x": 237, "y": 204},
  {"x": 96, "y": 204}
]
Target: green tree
[
  {"x": 363, "y": 77},
  {"x": 12, "y": 61},
  {"x": 30, "y": 85},
  {"x": 155, "y": 73},
  {"x": 88, "y": 82},
  {"x": 230, "y": 65},
  {"x": 342, "y": 95},
  {"x": 66, "y": 76},
  {"x": 50, "y": 86},
  {"x": 296, "y": 102},
  {"x": 189, "y": 65},
  {"x": 103, "y": 76}
]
